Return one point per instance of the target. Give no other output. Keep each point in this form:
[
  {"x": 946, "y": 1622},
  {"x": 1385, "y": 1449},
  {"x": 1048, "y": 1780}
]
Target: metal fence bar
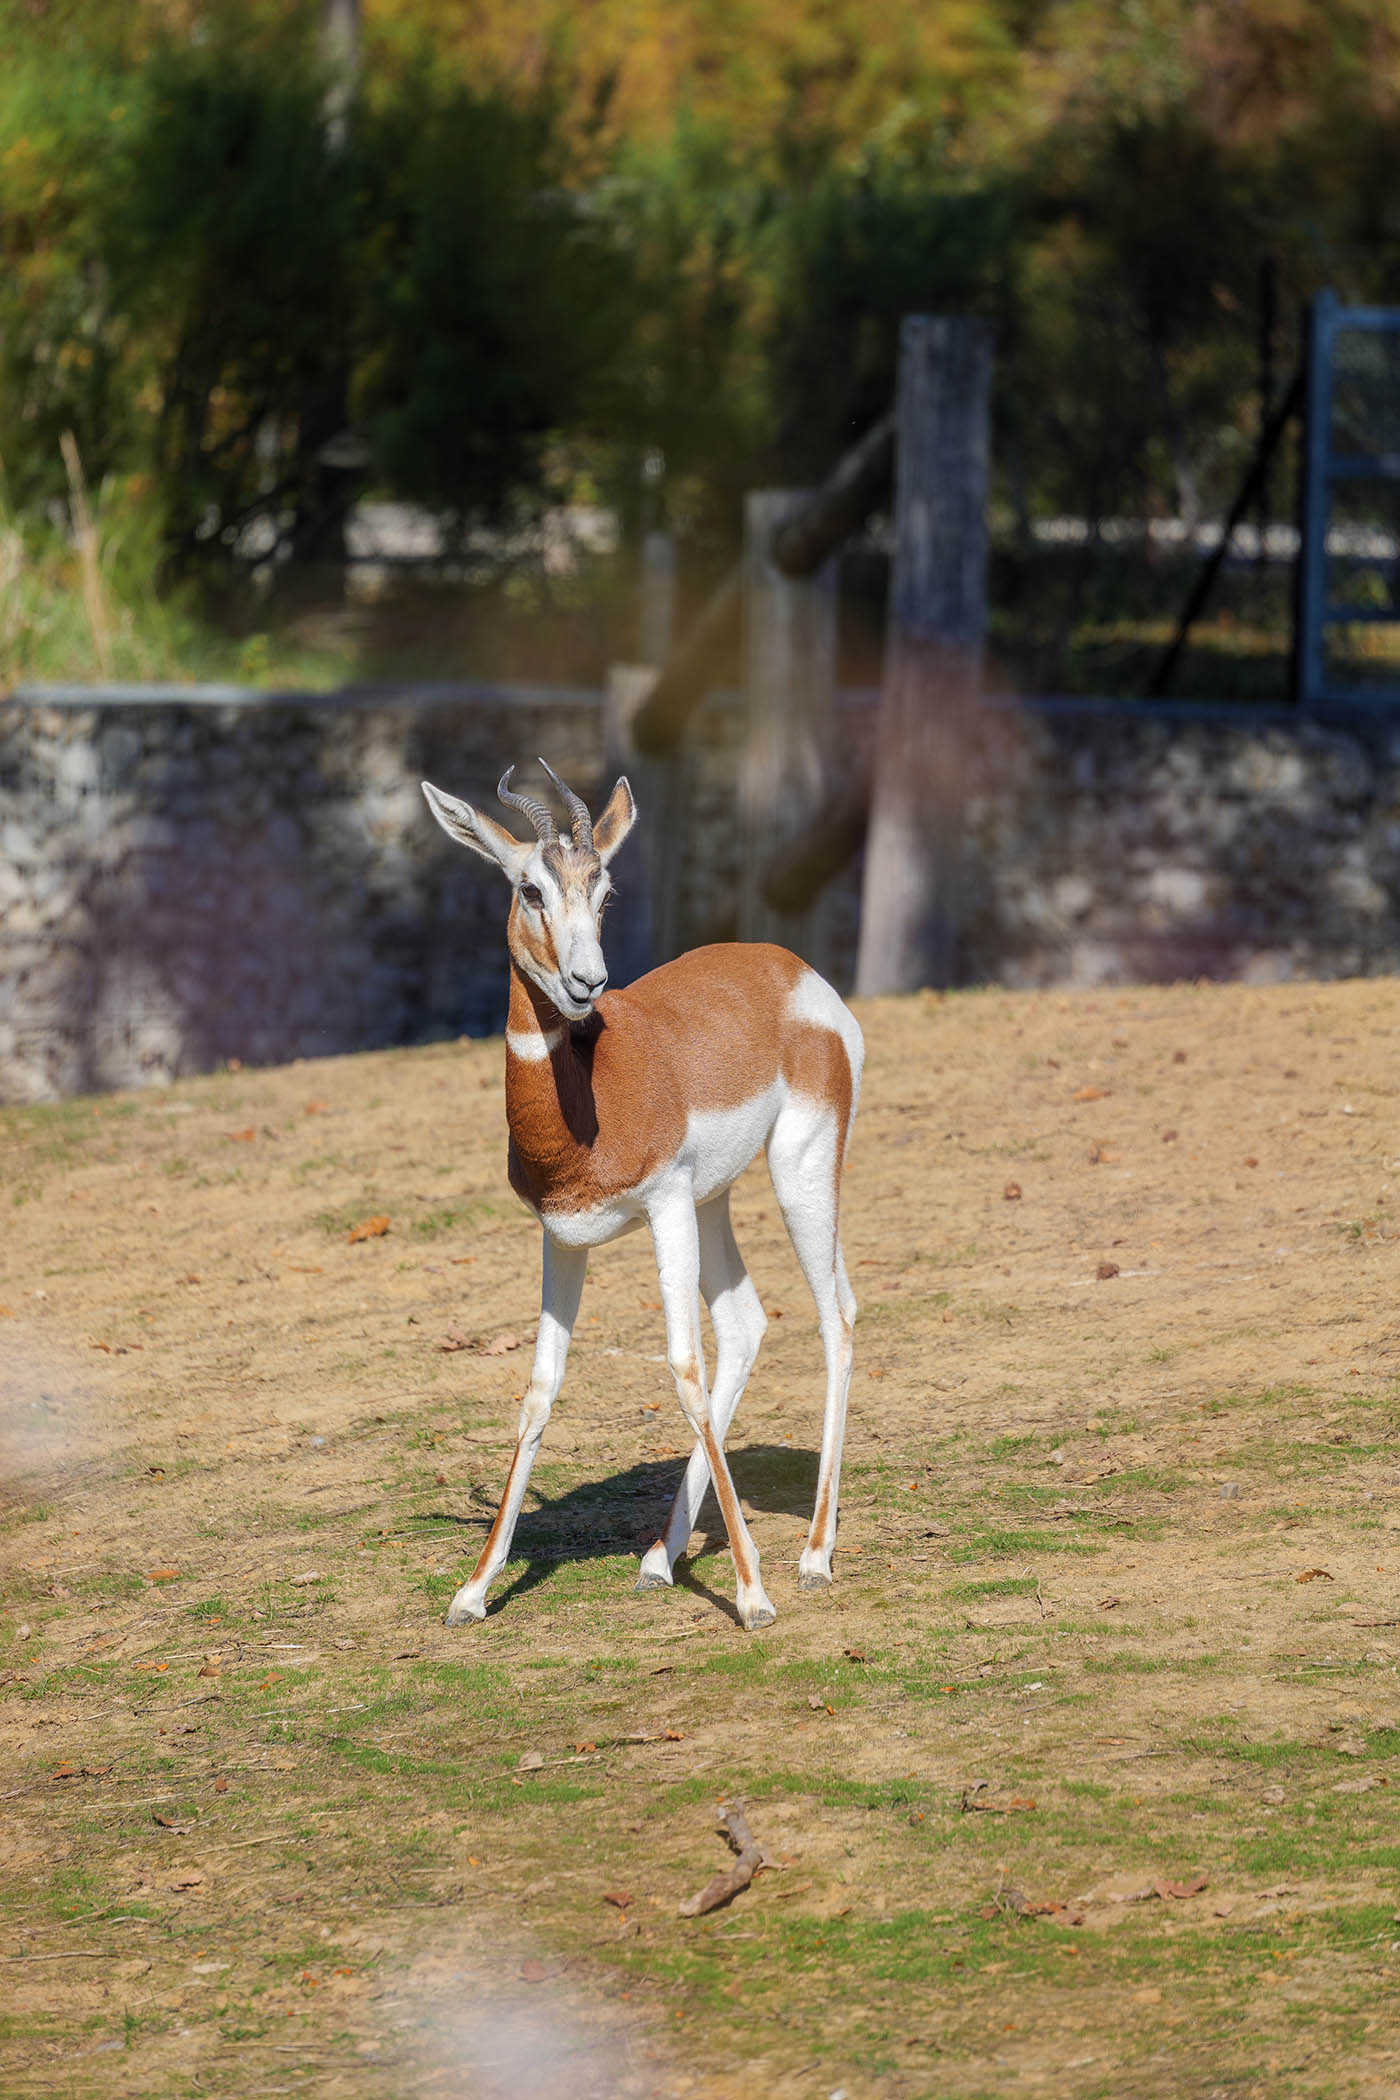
[{"x": 474, "y": 692}]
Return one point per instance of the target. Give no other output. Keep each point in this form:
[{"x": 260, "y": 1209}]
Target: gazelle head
[{"x": 560, "y": 885}]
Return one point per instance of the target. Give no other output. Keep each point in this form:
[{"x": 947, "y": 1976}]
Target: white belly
[
  {"x": 594, "y": 1228},
  {"x": 719, "y": 1143}
]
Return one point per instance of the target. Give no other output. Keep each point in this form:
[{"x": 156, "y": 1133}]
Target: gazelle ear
[
  {"x": 483, "y": 834},
  {"x": 612, "y": 827}
]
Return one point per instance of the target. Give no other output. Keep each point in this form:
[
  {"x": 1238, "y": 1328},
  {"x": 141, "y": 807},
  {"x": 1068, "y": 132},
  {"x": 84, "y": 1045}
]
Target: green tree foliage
[
  {"x": 899, "y": 234},
  {"x": 232, "y": 235},
  {"x": 687, "y": 229},
  {"x": 494, "y": 303},
  {"x": 62, "y": 128}
]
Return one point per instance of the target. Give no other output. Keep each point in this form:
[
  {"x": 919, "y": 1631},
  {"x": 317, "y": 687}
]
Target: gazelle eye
[{"x": 530, "y": 895}]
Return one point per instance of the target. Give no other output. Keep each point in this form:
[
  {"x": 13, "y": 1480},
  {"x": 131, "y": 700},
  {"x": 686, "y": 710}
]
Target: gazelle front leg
[
  {"x": 564, "y": 1269},
  {"x": 739, "y": 1323},
  {"x": 675, "y": 1235}
]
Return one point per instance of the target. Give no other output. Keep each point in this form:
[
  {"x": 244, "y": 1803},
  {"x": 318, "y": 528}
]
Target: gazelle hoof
[
  {"x": 650, "y": 1579},
  {"x": 814, "y": 1579},
  {"x": 758, "y": 1617},
  {"x": 463, "y": 1611}
]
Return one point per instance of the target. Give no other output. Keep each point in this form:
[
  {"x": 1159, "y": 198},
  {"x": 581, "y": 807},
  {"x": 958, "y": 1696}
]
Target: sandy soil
[{"x": 1126, "y": 1382}]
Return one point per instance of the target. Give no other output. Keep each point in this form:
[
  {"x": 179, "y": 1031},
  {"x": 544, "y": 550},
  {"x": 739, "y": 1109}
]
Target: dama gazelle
[{"x": 643, "y": 1106}]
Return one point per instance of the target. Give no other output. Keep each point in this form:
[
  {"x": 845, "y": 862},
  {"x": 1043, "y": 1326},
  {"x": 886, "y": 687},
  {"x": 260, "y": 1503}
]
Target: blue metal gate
[{"x": 1348, "y": 611}]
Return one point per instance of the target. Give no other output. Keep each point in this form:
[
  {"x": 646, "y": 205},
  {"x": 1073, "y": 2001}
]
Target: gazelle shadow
[{"x": 622, "y": 1514}]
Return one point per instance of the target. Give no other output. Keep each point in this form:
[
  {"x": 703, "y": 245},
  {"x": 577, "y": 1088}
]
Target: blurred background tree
[{"x": 549, "y": 248}]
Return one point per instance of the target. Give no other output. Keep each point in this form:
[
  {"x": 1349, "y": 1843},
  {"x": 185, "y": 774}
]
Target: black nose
[{"x": 586, "y": 987}]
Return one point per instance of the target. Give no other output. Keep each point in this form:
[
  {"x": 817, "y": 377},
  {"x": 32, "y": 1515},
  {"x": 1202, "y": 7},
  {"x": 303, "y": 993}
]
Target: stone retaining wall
[
  {"x": 1100, "y": 848},
  {"x": 181, "y": 883}
]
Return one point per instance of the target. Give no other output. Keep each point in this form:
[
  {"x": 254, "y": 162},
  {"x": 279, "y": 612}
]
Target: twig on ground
[
  {"x": 71, "y": 1954},
  {"x": 278, "y": 1837},
  {"x": 726, "y": 1886}
]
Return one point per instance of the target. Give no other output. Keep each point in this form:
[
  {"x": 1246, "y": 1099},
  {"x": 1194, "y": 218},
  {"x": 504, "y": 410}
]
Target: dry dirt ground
[{"x": 1081, "y": 1781}]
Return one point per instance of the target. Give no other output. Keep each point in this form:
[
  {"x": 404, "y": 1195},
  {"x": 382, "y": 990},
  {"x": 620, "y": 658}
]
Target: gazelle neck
[
  {"x": 535, "y": 1029},
  {"x": 549, "y": 1098}
]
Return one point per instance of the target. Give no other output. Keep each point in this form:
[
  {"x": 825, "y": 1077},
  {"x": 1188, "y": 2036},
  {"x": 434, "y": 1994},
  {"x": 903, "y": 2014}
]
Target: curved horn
[
  {"x": 579, "y": 818},
  {"x": 539, "y": 816}
]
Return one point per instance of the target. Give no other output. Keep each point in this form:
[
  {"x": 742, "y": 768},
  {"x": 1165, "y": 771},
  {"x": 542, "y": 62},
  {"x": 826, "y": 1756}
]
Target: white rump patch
[{"x": 812, "y": 1000}]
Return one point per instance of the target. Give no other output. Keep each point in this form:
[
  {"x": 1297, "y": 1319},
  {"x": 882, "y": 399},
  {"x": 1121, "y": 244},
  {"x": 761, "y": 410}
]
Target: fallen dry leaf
[
  {"x": 1314, "y": 1575},
  {"x": 855, "y": 1655},
  {"x": 1106, "y": 1269},
  {"x": 221, "y": 1784},
  {"x": 618, "y": 1899},
  {"x": 242, "y": 1137},
  {"x": 1012, "y": 1192},
  {"x": 169, "y": 1823},
  {"x": 1178, "y": 1891},
  {"x": 501, "y": 1345},
  {"x": 970, "y": 1805},
  {"x": 453, "y": 1339},
  {"x": 6, "y": 1314},
  {"x": 305, "y": 1579},
  {"x": 1091, "y": 1093},
  {"x": 530, "y": 1761},
  {"x": 368, "y": 1229},
  {"x": 210, "y": 1667},
  {"x": 536, "y": 1972},
  {"x": 162, "y": 1574}
]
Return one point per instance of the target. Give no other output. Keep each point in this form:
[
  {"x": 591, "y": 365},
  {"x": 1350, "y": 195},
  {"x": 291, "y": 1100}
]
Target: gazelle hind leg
[
  {"x": 564, "y": 1270},
  {"x": 739, "y": 1323},
  {"x": 676, "y": 1236},
  {"x": 804, "y": 1161}
]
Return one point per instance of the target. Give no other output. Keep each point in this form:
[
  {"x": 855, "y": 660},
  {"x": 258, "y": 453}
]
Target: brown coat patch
[{"x": 608, "y": 1108}]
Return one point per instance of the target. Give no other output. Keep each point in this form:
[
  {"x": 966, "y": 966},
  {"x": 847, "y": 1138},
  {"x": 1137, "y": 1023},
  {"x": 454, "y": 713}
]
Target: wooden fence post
[
  {"x": 644, "y": 929},
  {"x": 933, "y": 656},
  {"x": 789, "y": 657},
  {"x": 656, "y": 625}
]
